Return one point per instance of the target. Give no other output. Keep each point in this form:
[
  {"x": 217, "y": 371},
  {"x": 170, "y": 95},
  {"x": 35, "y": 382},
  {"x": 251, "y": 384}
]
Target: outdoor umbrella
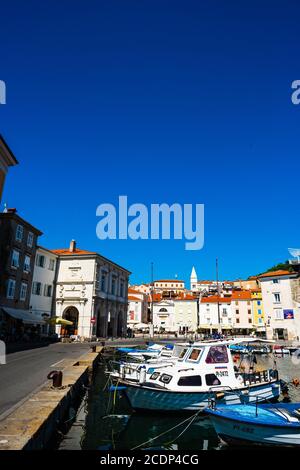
[{"x": 59, "y": 321}]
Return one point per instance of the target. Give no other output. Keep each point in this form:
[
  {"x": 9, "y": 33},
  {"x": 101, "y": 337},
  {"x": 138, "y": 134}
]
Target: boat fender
[
  {"x": 236, "y": 358},
  {"x": 122, "y": 371},
  {"x": 220, "y": 395},
  {"x": 240, "y": 379},
  {"x": 296, "y": 381},
  {"x": 142, "y": 378}
]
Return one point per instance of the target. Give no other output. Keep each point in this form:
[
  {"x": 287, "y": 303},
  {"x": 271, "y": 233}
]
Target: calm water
[{"x": 105, "y": 420}]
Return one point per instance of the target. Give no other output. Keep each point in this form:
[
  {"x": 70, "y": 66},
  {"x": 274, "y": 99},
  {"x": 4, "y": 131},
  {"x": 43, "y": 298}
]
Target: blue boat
[{"x": 258, "y": 424}]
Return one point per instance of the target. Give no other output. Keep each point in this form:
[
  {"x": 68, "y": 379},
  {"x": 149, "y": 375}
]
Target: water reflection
[{"x": 107, "y": 422}]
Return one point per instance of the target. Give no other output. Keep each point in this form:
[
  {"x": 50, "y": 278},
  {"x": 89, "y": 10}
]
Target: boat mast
[{"x": 218, "y": 296}]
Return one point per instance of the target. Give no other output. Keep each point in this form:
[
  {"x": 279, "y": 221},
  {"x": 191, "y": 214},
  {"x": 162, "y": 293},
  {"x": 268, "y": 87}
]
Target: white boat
[
  {"x": 128, "y": 370},
  {"x": 203, "y": 370}
]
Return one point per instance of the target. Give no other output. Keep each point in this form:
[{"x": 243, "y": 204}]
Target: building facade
[
  {"x": 7, "y": 159},
  {"x": 281, "y": 298},
  {"x": 137, "y": 307},
  {"x": 18, "y": 245},
  {"x": 43, "y": 285},
  {"x": 258, "y": 311},
  {"x": 169, "y": 287},
  {"x": 164, "y": 316},
  {"x": 214, "y": 311},
  {"x": 186, "y": 314},
  {"x": 91, "y": 292},
  {"x": 241, "y": 305}
]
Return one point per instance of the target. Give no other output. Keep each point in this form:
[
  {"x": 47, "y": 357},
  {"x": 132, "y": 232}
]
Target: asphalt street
[{"x": 25, "y": 371}]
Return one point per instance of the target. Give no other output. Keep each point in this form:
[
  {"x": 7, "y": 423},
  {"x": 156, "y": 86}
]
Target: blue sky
[{"x": 163, "y": 101}]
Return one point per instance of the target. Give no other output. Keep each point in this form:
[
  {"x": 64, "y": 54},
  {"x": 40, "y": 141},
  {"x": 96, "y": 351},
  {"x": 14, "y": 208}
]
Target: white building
[
  {"x": 91, "y": 292},
  {"x": 43, "y": 285},
  {"x": 213, "y": 307},
  {"x": 137, "y": 307},
  {"x": 281, "y": 299},
  {"x": 169, "y": 286},
  {"x": 164, "y": 315},
  {"x": 209, "y": 287},
  {"x": 186, "y": 314}
]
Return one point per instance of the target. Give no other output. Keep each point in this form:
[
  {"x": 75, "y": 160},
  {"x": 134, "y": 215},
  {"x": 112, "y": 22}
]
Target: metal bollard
[
  {"x": 93, "y": 349},
  {"x": 56, "y": 376}
]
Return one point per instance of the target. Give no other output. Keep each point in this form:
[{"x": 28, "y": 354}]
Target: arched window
[{"x": 163, "y": 310}]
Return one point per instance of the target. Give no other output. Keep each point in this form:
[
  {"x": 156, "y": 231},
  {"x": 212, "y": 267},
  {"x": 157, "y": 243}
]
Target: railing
[{"x": 263, "y": 376}]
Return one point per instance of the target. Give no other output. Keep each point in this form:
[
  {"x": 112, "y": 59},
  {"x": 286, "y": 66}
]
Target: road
[{"x": 25, "y": 371}]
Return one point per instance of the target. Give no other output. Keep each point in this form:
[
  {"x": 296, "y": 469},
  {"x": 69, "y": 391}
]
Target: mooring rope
[{"x": 190, "y": 418}]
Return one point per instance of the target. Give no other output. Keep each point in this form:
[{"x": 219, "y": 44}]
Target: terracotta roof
[
  {"x": 134, "y": 291},
  {"x": 187, "y": 297},
  {"x": 280, "y": 272},
  {"x": 135, "y": 299},
  {"x": 241, "y": 295},
  {"x": 77, "y": 251},
  {"x": 156, "y": 297},
  {"x": 215, "y": 299}
]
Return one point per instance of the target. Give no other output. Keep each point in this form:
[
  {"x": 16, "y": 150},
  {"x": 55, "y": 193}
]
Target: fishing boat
[
  {"x": 280, "y": 350},
  {"x": 258, "y": 424},
  {"x": 126, "y": 369},
  {"x": 203, "y": 370}
]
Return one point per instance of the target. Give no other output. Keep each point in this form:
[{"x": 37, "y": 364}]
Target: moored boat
[
  {"x": 203, "y": 371},
  {"x": 258, "y": 424}
]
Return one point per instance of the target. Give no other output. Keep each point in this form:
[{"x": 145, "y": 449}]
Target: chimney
[{"x": 72, "y": 248}]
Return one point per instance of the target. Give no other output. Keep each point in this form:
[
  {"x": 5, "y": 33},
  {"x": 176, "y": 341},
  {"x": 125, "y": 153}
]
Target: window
[
  {"x": 238, "y": 320},
  {"x": 51, "y": 264},
  {"x": 259, "y": 302},
  {"x": 249, "y": 320},
  {"x": 163, "y": 310},
  {"x": 236, "y": 302},
  {"x": 165, "y": 378},
  {"x": 259, "y": 311},
  {"x": 11, "y": 286},
  {"x": 182, "y": 353},
  {"x": 237, "y": 312},
  {"x": 249, "y": 312},
  {"x": 190, "y": 381},
  {"x": 37, "y": 288},
  {"x": 15, "y": 259},
  {"x": 217, "y": 354},
  {"x": 212, "y": 379},
  {"x": 275, "y": 281},
  {"x": 48, "y": 290},
  {"x": 154, "y": 375},
  {"x": 248, "y": 302},
  {"x": 113, "y": 285},
  {"x": 40, "y": 261},
  {"x": 23, "y": 291},
  {"x": 277, "y": 297},
  {"x": 27, "y": 264},
  {"x": 30, "y": 240},
  {"x": 122, "y": 289},
  {"x": 19, "y": 233},
  {"x": 103, "y": 282},
  {"x": 194, "y": 355},
  {"x": 278, "y": 313}
]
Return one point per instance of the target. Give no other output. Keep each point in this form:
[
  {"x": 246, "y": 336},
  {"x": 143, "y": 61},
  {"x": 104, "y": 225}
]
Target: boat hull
[
  {"x": 142, "y": 397},
  {"x": 241, "y": 433}
]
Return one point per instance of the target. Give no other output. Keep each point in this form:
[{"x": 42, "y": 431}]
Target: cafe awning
[{"x": 25, "y": 316}]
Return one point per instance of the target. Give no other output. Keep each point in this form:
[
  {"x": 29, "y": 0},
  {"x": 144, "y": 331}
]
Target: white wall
[
  {"x": 41, "y": 303},
  {"x": 186, "y": 314}
]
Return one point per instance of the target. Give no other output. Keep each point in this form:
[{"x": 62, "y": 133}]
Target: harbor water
[{"x": 105, "y": 420}]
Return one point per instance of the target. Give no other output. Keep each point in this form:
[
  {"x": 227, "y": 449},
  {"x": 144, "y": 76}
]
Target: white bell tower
[{"x": 193, "y": 280}]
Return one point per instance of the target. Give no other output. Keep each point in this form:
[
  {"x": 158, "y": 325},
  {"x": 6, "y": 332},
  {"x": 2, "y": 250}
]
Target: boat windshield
[
  {"x": 217, "y": 355},
  {"x": 182, "y": 353},
  {"x": 194, "y": 354}
]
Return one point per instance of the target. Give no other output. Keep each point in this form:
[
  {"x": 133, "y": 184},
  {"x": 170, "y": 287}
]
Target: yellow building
[{"x": 258, "y": 310}]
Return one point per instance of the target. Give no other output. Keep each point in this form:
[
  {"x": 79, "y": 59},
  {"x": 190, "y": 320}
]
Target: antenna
[{"x": 295, "y": 252}]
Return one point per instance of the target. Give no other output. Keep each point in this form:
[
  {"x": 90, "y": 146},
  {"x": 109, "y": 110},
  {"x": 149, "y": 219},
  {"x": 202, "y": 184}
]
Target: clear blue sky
[{"x": 165, "y": 101}]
